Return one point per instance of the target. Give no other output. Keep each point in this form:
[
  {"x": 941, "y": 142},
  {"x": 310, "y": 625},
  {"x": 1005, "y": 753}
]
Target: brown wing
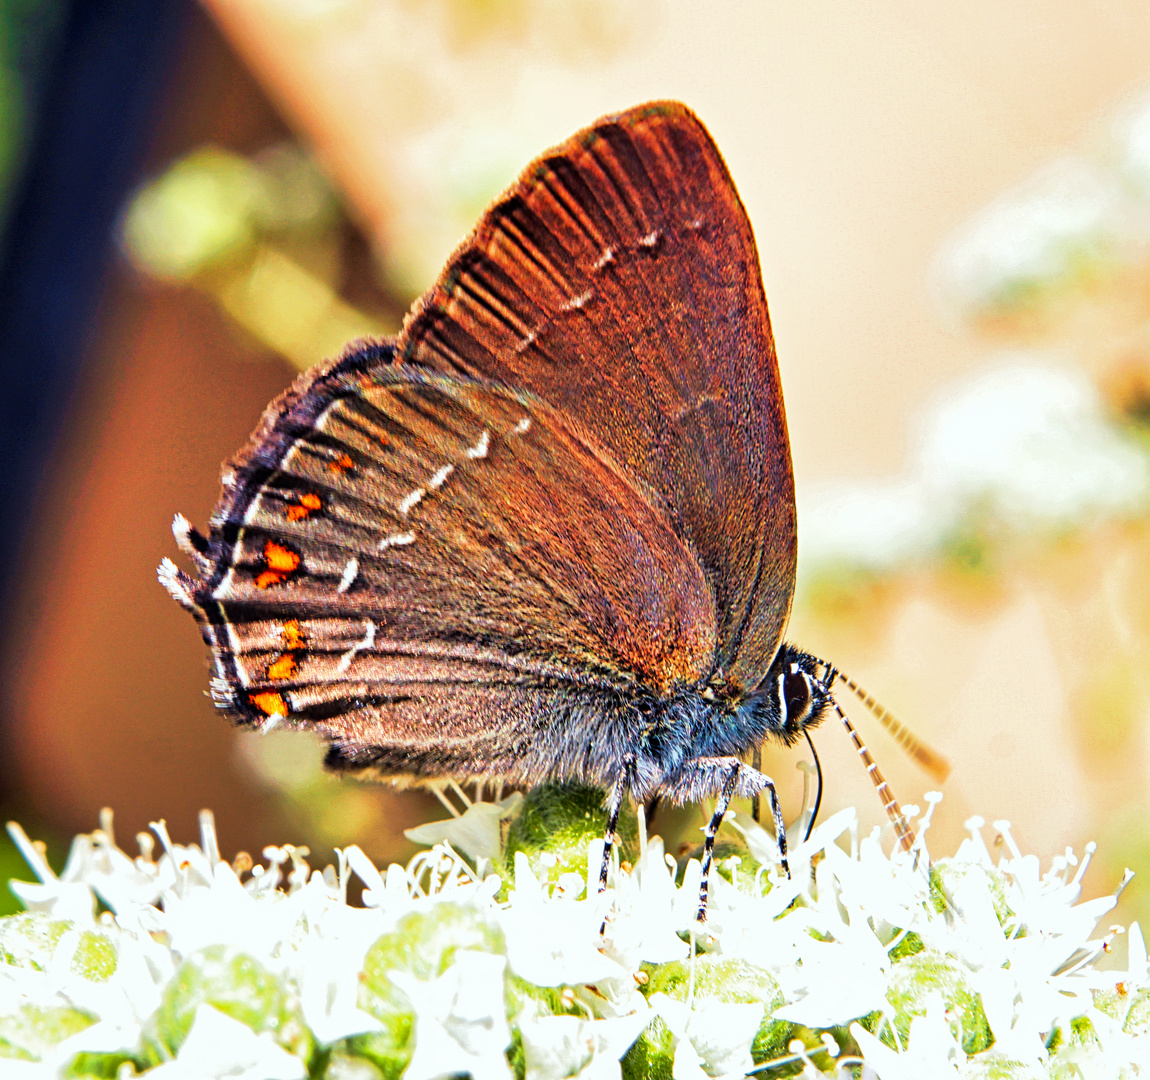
[
  {"x": 423, "y": 565},
  {"x": 618, "y": 280}
]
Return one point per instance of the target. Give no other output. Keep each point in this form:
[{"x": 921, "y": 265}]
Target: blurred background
[{"x": 952, "y": 206}]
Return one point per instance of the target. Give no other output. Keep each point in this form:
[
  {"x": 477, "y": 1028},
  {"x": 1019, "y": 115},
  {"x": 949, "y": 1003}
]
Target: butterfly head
[{"x": 794, "y": 696}]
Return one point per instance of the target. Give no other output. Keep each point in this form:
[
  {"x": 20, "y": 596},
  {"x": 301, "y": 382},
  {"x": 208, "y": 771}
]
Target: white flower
[
  {"x": 460, "y": 1019},
  {"x": 218, "y": 1046},
  {"x": 476, "y": 832},
  {"x": 710, "y": 1040},
  {"x": 972, "y": 967},
  {"x": 932, "y": 1051},
  {"x": 327, "y": 964},
  {"x": 1025, "y": 443},
  {"x": 1038, "y": 234},
  {"x": 553, "y": 942},
  {"x": 556, "y": 1047},
  {"x": 644, "y": 921}
]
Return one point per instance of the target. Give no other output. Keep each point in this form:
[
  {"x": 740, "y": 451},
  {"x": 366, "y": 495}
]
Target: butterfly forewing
[{"x": 619, "y": 280}]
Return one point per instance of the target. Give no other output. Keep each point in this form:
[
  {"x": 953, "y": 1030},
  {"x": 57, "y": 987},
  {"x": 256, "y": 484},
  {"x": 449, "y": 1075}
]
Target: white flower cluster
[
  {"x": 1026, "y": 447},
  {"x": 1022, "y": 447},
  {"x": 178, "y": 966},
  {"x": 1079, "y": 219}
]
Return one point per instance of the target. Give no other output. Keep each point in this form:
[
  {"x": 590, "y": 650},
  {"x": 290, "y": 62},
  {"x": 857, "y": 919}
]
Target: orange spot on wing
[
  {"x": 292, "y": 635},
  {"x": 281, "y": 562},
  {"x": 304, "y": 506},
  {"x": 283, "y": 667},
  {"x": 279, "y": 558},
  {"x": 342, "y": 464},
  {"x": 269, "y": 704}
]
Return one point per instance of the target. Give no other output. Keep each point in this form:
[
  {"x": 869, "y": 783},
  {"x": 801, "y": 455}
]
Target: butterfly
[{"x": 548, "y": 532}]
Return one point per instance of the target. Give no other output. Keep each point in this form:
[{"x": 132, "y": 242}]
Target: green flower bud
[
  {"x": 423, "y": 943},
  {"x": 719, "y": 979},
  {"x": 995, "y": 1066},
  {"x": 554, "y": 826},
  {"x": 29, "y": 1031},
  {"x": 921, "y": 975},
  {"x": 95, "y": 957},
  {"x": 237, "y": 985}
]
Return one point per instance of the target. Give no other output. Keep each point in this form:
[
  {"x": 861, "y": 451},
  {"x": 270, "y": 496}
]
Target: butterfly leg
[
  {"x": 618, "y": 794},
  {"x": 725, "y": 796},
  {"x": 724, "y": 801},
  {"x": 757, "y": 765},
  {"x": 730, "y": 777},
  {"x": 780, "y": 824}
]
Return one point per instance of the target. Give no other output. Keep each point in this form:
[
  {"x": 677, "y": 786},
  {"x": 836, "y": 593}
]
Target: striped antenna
[
  {"x": 933, "y": 763},
  {"x": 889, "y": 802}
]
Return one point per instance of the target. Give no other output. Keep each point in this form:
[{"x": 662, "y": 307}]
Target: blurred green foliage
[{"x": 12, "y": 866}]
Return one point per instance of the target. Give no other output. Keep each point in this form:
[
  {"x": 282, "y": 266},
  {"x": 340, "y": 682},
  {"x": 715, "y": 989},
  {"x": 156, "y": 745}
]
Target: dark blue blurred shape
[{"x": 100, "y": 77}]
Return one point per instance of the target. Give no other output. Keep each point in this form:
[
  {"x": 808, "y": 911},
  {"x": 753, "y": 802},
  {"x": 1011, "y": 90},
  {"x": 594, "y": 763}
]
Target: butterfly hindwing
[{"x": 404, "y": 562}]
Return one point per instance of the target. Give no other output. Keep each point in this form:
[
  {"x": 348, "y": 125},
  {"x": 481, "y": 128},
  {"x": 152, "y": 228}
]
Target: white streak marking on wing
[
  {"x": 576, "y": 302},
  {"x": 440, "y": 478},
  {"x": 365, "y": 643},
  {"x": 410, "y": 500},
  {"x": 349, "y": 575},
  {"x": 479, "y": 450},
  {"x": 396, "y": 540}
]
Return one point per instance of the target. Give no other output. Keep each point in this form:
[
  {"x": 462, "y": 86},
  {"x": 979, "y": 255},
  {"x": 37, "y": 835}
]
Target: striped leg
[
  {"x": 618, "y": 794},
  {"x": 725, "y": 795},
  {"x": 757, "y": 765},
  {"x": 780, "y": 824},
  {"x": 728, "y": 776},
  {"x": 709, "y": 840}
]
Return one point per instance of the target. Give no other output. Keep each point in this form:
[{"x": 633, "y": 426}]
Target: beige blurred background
[{"x": 860, "y": 137}]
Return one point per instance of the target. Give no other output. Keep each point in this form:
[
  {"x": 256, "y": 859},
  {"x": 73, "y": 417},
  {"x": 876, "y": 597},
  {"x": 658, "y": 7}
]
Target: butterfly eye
[{"x": 796, "y": 696}]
